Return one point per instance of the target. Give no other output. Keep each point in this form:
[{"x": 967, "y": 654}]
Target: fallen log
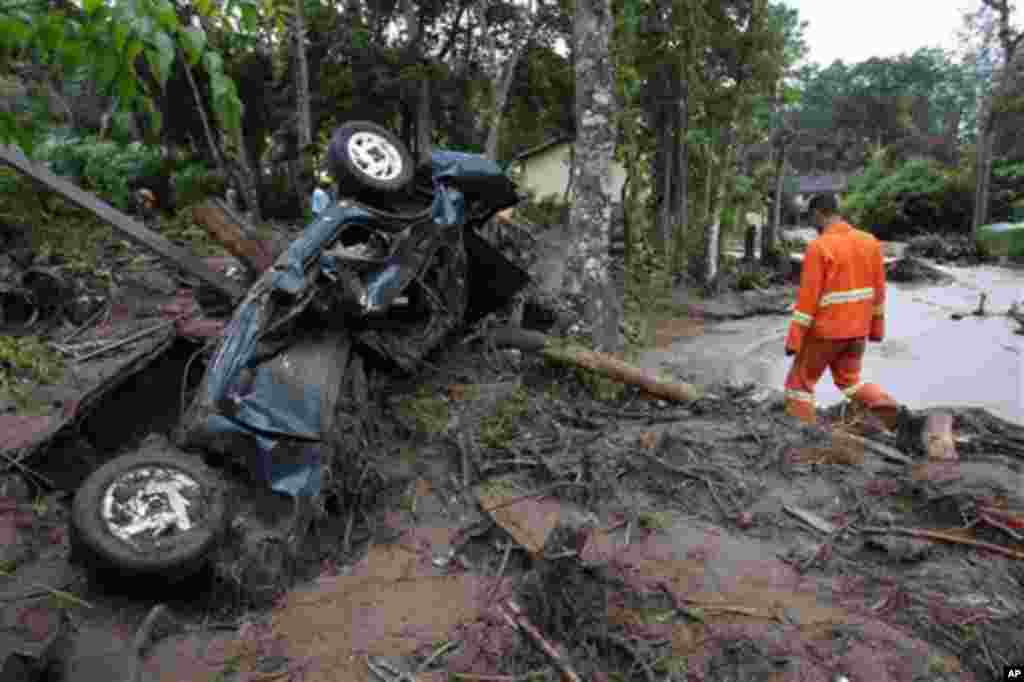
[
  {"x": 602, "y": 363},
  {"x": 131, "y": 229},
  {"x": 228, "y": 231},
  {"x": 937, "y": 437}
]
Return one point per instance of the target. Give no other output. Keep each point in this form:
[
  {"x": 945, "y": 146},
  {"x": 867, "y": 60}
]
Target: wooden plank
[{"x": 128, "y": 227}]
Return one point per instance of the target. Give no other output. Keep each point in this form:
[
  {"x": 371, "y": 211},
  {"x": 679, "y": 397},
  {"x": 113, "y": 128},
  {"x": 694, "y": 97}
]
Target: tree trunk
[
  {"x": 424, "y": 122},
  {"x": 771, "y": 229},
  {"x": 588, "y": 270},
  {"x": 680, "y": 209},
  {"x": 503, "y": 84},
  {"x": 207, "y": 131},
  {"x": 304, "y": 122},
  {"x": 713, "y": 227},
  {"x": 567, "y": 195},
  {"x": 983, "y": 175},
  {"x": 663, "y": 225},
  {"x": 246, "y": 178}
]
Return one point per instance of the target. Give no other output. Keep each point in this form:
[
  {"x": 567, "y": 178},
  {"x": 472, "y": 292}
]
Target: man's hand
[{"x": 790, "y": 352}]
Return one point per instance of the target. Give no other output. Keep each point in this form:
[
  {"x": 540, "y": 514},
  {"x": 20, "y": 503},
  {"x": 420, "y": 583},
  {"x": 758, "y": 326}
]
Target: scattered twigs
[
  {"x": 472, "y": 677},
  {"x": 134, "y": 337},
  {"x": 880, "y": 449},
  {"x": 945, "y": 537},
  {"x": 985, "y": 518},
  {"x": 438, "y": 653},
  {"x": 143, "y": 637},
  {"x": 93, "y": 319},
  {"x": 629, "y": 648},
  {"x": 515, "y": 617},
  {"x": 811, "y": 519},
  {"x": 60, "y": 594},
  {"x": 18, "y": 463}
]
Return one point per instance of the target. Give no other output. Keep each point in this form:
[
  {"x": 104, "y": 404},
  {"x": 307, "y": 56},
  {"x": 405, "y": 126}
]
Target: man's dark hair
[{"x": 826, "y": 203}]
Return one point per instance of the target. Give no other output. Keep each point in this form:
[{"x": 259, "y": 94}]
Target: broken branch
[
  {"x": 945, "y": 537},
  {"x": 602, "y": 363},
  {"x": 134, "y": 337},
  {"x": 515, "y": 617},
  {"x": 811, "y": 519},
  {"x": 880, "y": 449},
  {"x": 231, "y": 234}
]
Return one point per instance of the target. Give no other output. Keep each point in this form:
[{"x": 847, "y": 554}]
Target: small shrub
[
  {"x": 26, "y": 362},
  {"x": 103, "y": 167},
  {"x": 547, "y": 212}
]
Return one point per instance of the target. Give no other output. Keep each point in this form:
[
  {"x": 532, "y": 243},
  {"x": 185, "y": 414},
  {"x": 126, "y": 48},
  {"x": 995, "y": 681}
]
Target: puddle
[{"x": 927, "y": 359}]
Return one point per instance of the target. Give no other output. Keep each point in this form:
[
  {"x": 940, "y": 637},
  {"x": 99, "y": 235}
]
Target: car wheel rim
[
  {"x": 150, "y": 504},
  {"x": 375, "y": 156}
]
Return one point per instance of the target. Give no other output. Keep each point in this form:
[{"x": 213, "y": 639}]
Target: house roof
[
  {"x": 814, "y": 184},
  {"x": 543, "y": 147}
]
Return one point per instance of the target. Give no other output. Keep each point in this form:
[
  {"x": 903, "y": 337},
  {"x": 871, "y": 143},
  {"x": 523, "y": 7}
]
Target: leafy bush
[
  {"x": 548, "y": 212},
  {"x": 103, "y": 167},
  {"x": 919, "y": 195},
  {"x": 194, "y": 181}
]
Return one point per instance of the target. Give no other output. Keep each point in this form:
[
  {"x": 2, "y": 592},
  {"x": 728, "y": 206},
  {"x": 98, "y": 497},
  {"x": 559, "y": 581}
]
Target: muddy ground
[{"x": 499, "y": 518}]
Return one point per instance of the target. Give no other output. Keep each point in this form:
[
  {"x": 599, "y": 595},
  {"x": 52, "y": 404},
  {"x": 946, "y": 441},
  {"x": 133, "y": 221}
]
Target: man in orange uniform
[{"x": 840, "y": 304}]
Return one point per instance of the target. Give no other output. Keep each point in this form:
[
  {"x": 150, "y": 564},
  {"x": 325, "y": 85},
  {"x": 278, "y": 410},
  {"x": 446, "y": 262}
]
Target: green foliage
[
  {"x": 103, "y": 167},
  {"x": 549, "y": 211},
  {"x": 1009, "y": 170},
  {"x": 499, "y": 428},
  {"x": 916, "y": 195},
  {"x": 429, "y": 414},
  {"x": 195, "y": 181},
  {"x": 26, "y": 362},
  {"x": 102, "y": 44}
]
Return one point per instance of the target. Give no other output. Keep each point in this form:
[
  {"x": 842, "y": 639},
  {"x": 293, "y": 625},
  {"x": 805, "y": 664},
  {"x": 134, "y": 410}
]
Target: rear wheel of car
[
  {"x": 149, "y": 513},
  {"x": 368, "y": 160}
]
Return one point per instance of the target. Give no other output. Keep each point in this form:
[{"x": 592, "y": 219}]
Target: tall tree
[
  {"x": 303, "y": 116},
  {"x": 997, "y": 99},
  {"x": 527, "y": 23},
  {"x": 588, "y": 270}
]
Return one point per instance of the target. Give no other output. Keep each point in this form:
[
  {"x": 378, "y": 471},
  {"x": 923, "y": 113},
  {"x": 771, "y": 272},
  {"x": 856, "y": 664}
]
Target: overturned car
[{"x": 391, "y": 269}]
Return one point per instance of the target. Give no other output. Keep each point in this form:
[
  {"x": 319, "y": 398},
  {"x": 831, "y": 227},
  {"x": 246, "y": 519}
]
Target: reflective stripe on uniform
[
  {"x": 879, "y": 311},
  {"x": 850, "y": 296},
  {"x": 802, "y": 318},
  {"x": 852, "y": 390},
  {"x": 802, "y": 396}
]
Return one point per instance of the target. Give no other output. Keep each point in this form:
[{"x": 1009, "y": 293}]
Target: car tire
[
  {"x": 147, "y": 490},
  {"x": 366, "y": 159}
]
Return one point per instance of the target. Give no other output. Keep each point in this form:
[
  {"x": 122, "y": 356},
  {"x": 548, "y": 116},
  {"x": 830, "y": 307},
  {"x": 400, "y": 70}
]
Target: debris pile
[
  {"x": 953, "y": 248},
  {"x": 910, "y": 270}
]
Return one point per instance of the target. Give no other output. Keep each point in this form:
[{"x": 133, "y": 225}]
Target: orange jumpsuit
[{"x": 840, "y": 303}]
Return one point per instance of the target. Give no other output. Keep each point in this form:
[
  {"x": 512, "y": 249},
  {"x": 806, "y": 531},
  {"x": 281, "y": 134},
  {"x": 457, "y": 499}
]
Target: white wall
[{"x": 546, "y": 174}]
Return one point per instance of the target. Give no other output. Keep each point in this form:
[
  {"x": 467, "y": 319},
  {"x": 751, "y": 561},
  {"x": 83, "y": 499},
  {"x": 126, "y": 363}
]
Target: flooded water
[{"x": 927, "y": 359}]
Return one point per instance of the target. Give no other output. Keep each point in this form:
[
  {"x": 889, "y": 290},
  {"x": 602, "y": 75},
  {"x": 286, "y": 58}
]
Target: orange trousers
[{"x": 843, "y": 357}]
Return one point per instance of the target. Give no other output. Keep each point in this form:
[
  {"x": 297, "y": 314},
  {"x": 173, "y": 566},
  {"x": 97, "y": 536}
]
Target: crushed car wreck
[{"x": 391, "y": 273}]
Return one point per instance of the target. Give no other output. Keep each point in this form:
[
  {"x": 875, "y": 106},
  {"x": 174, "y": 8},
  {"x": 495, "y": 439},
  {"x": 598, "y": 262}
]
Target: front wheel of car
[
  {"x": 365, "y": 157},
  {"x": 149, "y": 513}
]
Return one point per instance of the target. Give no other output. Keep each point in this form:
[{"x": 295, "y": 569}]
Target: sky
[{"x": 858, "y": 30}]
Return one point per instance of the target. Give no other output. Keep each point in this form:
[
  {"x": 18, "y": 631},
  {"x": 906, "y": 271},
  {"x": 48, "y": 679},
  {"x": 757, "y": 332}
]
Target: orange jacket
[{"x": 842, "y": 288}]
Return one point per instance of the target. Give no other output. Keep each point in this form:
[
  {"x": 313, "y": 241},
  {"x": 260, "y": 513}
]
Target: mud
[{"x": 493, "y": 518}]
